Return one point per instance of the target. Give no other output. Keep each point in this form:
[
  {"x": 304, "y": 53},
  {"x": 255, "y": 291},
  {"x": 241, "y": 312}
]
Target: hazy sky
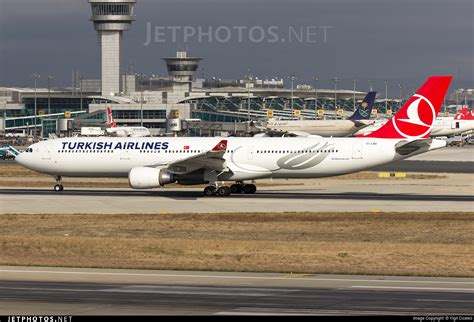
[{"x": 399, "y": 41}]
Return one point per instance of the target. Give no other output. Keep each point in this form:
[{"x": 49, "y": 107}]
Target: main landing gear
[
  {"x": 224, "y": 191},
  {"x": 59, "y": 184}
]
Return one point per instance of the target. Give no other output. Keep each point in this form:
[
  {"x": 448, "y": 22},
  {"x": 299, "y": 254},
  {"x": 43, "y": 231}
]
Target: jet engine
[{"x": 147, "y": 178}]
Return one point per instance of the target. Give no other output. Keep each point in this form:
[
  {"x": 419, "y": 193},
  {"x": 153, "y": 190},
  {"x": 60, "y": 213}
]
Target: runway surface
[
  {"x": 453, "y": 193},
  {"x": 422, "y": 166},
  {"x": 30, "y": 290}
]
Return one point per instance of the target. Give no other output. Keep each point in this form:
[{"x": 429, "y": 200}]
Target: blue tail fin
[
  {"x": 9, "y": 149},
  {"x": 364, "y": 109}
]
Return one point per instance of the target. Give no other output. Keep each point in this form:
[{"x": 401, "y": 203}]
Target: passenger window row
[
  {"x": 85, "y": 151},
  {"x": 297, "y": 151},
  {"x": 191, "y": 151}
]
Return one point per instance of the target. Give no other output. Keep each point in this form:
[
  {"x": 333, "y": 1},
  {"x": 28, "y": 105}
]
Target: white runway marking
[
  {"x": 441, "y": 300},
  {"x": 297, "y": 312},
  {"x": 446, "y": 289},
  {"x": 259, "y": 292}
]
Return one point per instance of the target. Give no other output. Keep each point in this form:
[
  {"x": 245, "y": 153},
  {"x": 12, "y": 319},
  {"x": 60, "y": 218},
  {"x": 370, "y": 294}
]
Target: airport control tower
[
  {"x": 182, "y": 69},
  {"x": 111, "y": 18}
]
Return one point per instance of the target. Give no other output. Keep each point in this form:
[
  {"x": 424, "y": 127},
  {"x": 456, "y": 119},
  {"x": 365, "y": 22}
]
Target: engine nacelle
[{"x": 148, "y": 178}]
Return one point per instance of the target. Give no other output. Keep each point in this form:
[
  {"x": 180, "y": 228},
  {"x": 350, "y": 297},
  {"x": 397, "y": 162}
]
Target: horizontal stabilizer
[{"x": 420, "y": 145}]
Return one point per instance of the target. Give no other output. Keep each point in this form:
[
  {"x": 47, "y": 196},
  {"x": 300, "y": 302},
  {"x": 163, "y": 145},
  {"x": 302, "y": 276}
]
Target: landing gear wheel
[
  {"x": 59, "y": 183},
  {"x": 236, "y": 188},
  {"x": 250, "y": 188},
  {"x": 223, "y": 191},
  {"x": 209, "y": 191}
]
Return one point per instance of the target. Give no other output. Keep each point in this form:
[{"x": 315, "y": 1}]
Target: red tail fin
[
  {"x": 110, "y": 118},
  {"x": 462, "y": 114},
  {"x": 415, "y": 119},
  {"x": 221, "y": 146}
]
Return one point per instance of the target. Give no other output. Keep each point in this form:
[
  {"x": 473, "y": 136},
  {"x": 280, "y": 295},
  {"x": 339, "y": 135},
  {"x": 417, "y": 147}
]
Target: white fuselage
[
  {"x": 325, "y": 128},
  {"x": 246, "y": 158},
  {"x": 450, "y": 126}
]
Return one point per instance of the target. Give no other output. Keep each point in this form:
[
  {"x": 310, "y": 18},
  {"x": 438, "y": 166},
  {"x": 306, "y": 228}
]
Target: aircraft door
[
  {"x": 47, "y": 153},
  {"x": 357, "y": 150},
  {"x": 250, "y": 153},
  {"x": 125, "y": 155}
]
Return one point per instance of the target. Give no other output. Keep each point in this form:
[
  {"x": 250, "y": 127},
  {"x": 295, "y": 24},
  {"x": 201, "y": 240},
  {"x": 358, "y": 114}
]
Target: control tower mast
[{"x": 111, "y": 18}]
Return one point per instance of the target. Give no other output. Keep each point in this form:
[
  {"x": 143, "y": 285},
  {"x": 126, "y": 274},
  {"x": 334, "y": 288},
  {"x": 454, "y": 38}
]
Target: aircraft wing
[{"x": 212, "y": 160}]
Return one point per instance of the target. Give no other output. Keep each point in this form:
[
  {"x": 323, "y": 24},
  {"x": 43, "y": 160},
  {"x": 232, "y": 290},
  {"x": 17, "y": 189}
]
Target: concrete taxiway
[{"x": 28, "y": 290}]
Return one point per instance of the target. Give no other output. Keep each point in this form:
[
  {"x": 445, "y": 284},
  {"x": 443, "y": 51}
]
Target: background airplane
[
  {"x": 325, "y": 128},
  {"x": 124, "y": 131}
]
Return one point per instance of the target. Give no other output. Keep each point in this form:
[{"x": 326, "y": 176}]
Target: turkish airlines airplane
[
  {"x": 154, "y": 162},
  {"x": 124, "y": 131},
  {"x": 461, "y": 123},
  {"x": 326, "y": 128}
]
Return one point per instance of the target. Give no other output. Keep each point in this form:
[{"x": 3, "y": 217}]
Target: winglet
[
  {"x": 415, "y": 119},
  {"x": 221, "y": 146}
]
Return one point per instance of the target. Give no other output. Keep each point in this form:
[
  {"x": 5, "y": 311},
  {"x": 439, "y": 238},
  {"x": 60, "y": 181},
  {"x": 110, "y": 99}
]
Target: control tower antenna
[{"x": 111, "y": 18}]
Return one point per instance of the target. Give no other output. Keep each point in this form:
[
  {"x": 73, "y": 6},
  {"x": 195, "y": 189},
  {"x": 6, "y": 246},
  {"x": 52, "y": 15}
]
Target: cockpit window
[{"x": 29, "y": 150}]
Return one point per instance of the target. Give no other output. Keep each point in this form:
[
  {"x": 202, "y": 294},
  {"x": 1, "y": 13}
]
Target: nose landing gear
[{"x": 59, "y": 185}]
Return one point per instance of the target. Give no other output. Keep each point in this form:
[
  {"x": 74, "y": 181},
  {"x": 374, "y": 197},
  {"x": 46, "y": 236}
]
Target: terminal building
[{"x": 173, "y": 104}]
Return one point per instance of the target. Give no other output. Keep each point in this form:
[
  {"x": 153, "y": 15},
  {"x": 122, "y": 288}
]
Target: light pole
[
  {"x": 35, "y": 77},
  {"x": 386, "y": 97},
  {"x": 354, "y": 82},
  {"x": 249, "y": 86},
  {"x": 4, "y": 119},
  {"x": 80, "y": 85},
  {"x": 400, "y": 103},
  {"x": 444, "y": 105},
  {"x": 370, "y": 85},
  {"x": 316, "y": 79},
  {"x": 50, "y": 78},
  {"x": 141, "y": 99},
  {"x": 292, "y": 78},
  {"x": 335, "y": 79}
]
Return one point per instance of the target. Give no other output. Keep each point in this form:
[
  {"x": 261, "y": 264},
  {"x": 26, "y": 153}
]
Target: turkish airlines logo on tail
[
  {"x": 221, "y": 146},
  {"x": 363, "y": 110},
  {"x": 417, "y": 120},
  {"x": 110, "y": 118}
]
